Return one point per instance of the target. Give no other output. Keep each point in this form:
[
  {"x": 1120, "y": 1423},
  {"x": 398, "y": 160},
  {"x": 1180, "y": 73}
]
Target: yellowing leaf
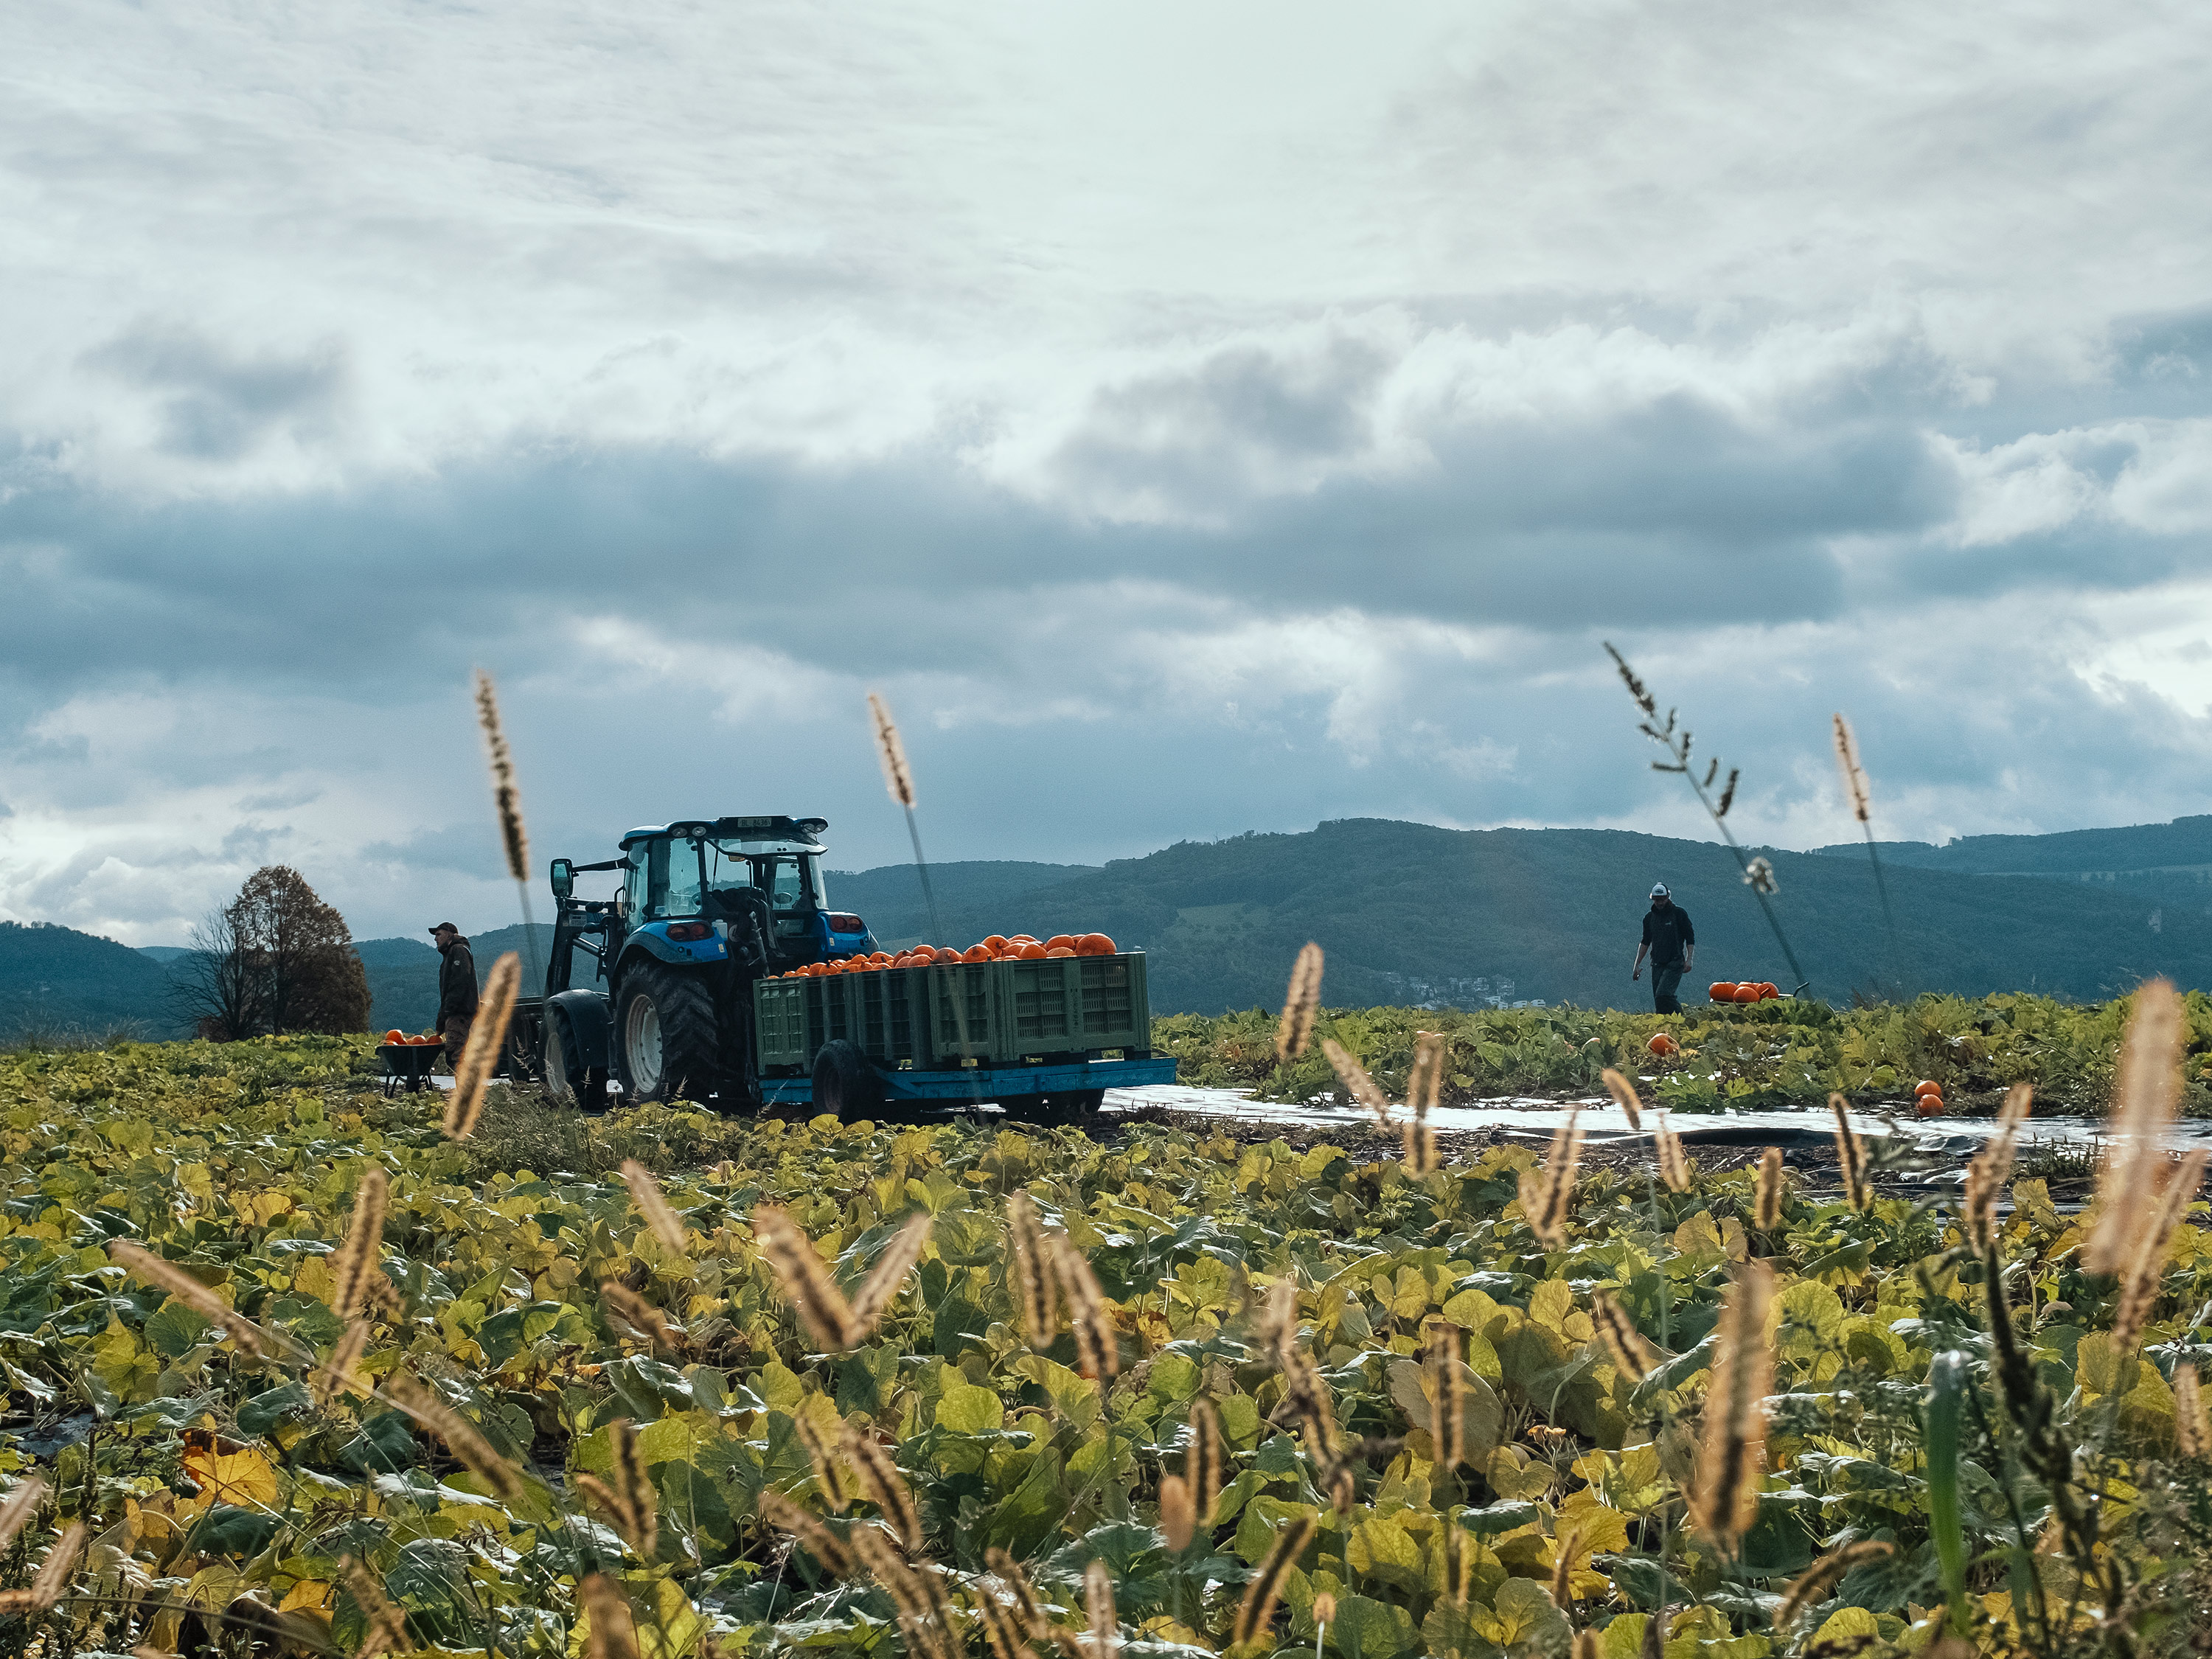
[{"x": 244, "y": 1478}]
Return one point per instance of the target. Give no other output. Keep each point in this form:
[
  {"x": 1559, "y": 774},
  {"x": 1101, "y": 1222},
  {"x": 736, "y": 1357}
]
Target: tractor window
[
  {"x": 727, "y": 867},
  {"x": 682, "y": 898},
  {"x": 788, "y": 881}
]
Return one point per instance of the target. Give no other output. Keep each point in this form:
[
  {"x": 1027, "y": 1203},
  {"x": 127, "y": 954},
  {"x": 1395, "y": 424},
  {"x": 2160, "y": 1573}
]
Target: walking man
[
  {"x": 457, "y": 990},
  {"x": 1673, "y": 943}
]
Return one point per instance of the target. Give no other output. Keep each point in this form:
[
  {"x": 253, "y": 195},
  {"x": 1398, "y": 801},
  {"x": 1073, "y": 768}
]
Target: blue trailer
[{"x": 682, "y": 985}]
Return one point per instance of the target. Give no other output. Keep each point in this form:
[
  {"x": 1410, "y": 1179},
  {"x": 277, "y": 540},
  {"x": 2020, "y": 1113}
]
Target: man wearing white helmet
[{"x": 1673, "y": 943}]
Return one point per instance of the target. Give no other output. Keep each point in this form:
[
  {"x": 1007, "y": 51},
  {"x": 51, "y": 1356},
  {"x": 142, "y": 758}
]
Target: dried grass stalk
[
  {"x": 917, "y": 1604},
  {"x": 1673, "y": 1163},
  {"x": 1731, "y": 1456},
  {"x": 1855, "y": 777},
  {"x": 1587, "y": 1645},
  {"x": 1202, "y": 1464},
  {"x": 1028, "y": 1257},
  {"x": 1255, "y": 1614},
  {"x": 1423, "y": 1086},
  {"x": 1178, "y": 1513},
  {"x": 1811, "y": 1587},
  {"x": 613, "y": 1633},
  {"x": 2192, "y": 1430},
  {"x": 799, "y": 1268},
  {"x": 641, "y": 1316},
  {"x": 361, "y": 1252},
  {"x": 1097, "y": 1345},
  {"x": 653, "y": 1204},
  {"x": 632, "y": 1489},
  {"x": 462, "y": 1438},
  {"x": 1851, "y": 1156},
  {"x": 1301, "y": 1006},
  {"x": 898, "y": 776},
  {"x": 1767, "y": 1206},
  {"x": 1010, "y": 1573},
  {"x": 1440, "y": 1357},
  {"x": 53, "y": 1575},
  {"x": 142, "y": 1264},
  {"x": 881, "y": 1287},
  {"x": 19, "y": 1506},
  {"x": 1357, "y": 1083},
  {"x": 803, "y": 1524},
  {"x": 1098, "y": 1607},
  {"x": 1632, "y": 1356},
  {"x": 1002, "y": 1627},
  {"x": 828, "y": 1474},
  {"x": 504, "y": 793},
  {"x": 487, "y": 1040},
  {"x": 1623, "y": 1096},
  {"x": 607, "y": 1502},
  {"x": 885, "y": 1487},
  {"x": 383, "y": 1626},
  {"x": 1563, "y": 1568},
  {"x": 2145, "y": 1273},
  {"x": 2148, "y": 1087},
  {"x": 1547, "y": 1194},
  {"x": 335, "y": 1375}
]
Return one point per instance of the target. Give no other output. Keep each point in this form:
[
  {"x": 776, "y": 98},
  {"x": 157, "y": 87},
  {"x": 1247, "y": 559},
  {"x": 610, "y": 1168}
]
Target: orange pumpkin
[
  {"x": 395, "y": 1035},
  {"x": 1722, "y": 991},
  {"x": 1094, "y": 944},
  {"x": 1029, "y": 950},
  {"x": 1661, "y": 1043},
  {"x": 997, "y": 942},
  {"x": 1767, "y": 991},
  {"x": 976, "y": 953},
  {"x": 1926, "y": 1085},
  {"x": 1058, "y": 951},
  {"x": 1060, "y": 942},
  {"x": 1746, "y": 993},
  {"x": 1929, "y": 1105}
]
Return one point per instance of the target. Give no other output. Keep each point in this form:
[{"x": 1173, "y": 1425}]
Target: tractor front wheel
[
  {"x": 567, "y": 1079},
  {"x": 665, "y": 1021}
]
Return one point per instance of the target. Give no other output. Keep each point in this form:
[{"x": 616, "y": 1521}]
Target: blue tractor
[{"x": 707, "y": 908}]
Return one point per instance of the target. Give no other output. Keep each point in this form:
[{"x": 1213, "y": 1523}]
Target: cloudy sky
[{"x": 1194, "y": 419}]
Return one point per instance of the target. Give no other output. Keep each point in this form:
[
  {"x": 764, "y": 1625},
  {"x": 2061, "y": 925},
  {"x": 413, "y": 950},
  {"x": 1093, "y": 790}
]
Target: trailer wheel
[
  {"x": 845, "y": 1084},
  {"x": 666, "y": 1024},
  {"x": 566, "y": 1082},
  {"x": 1070, "y": 1107}
]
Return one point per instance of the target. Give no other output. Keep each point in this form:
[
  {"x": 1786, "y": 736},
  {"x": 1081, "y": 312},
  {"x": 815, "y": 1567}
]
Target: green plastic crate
[
  {"x": 1067, "y": 1005},
  {"x": 913, "y": 1016}
]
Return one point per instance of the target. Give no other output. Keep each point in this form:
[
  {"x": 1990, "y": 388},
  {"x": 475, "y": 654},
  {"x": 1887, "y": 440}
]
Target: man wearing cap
[
  {"x": 457, "y": 990},
  {"x": 1673, "y": 943}
]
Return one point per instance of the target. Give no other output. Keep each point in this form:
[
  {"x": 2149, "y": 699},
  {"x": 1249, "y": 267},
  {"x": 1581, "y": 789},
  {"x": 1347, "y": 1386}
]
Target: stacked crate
[{"x": 991, "y": 1012}]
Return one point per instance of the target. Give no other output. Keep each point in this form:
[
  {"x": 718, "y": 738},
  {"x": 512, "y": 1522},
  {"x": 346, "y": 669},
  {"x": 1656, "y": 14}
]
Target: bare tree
[{"x": 217, "y": 988}]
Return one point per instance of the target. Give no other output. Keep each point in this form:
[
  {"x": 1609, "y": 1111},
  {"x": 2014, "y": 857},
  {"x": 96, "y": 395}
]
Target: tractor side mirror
[{"x": 564, "y": 879}]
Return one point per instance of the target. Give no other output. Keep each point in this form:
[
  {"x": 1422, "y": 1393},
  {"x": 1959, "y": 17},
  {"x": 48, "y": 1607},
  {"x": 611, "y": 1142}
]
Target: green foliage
[{"x": 205, "y": 1475}]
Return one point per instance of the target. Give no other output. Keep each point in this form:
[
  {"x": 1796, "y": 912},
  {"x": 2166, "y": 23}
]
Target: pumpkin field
[{"x": 290, "y": 1370}]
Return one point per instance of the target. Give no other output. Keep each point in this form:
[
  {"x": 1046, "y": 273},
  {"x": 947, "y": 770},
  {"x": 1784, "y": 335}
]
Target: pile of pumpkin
[
  {"x": 1763, "y": 990},
  {"x": 998, "y": 948},
  {"x": 1928, "y": 1097},
  {"x": 396, "y": 1038}
]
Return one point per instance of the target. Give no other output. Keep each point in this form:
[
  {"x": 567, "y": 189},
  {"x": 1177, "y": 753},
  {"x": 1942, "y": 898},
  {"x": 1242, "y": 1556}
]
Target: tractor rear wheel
[
  {"x": 568, "y": 1080},
  {"x": 665, "y": 1021},
  {"x": 845, "y": 1085}
]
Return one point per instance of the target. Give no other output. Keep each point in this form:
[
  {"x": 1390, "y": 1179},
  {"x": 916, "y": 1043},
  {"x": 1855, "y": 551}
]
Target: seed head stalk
[{"x": 1758, "y": 874}]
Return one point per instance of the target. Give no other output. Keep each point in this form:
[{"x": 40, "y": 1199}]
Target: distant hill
[
  {"x": 56, "y": 982},
  {"x": 1410, "y": 914}
]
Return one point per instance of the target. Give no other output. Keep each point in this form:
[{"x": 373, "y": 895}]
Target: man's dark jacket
[{"x": 457, "y": 983}]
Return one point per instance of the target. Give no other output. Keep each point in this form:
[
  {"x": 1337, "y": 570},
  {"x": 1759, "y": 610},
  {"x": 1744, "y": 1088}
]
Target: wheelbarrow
[{"x": 408, "y": 1064}]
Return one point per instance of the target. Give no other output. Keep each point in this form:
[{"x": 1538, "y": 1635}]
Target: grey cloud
[{"x": 217, "y": 404}]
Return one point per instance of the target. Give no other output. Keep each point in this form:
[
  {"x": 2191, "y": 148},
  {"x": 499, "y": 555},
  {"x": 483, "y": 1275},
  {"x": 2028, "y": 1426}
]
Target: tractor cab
[{"x": 700, "y": 884}]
